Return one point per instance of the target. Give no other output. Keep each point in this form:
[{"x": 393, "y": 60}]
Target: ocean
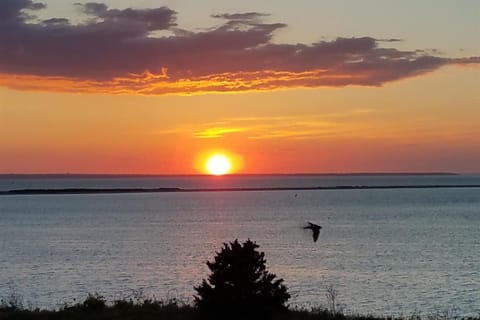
[{"x": 385, "y": 250}]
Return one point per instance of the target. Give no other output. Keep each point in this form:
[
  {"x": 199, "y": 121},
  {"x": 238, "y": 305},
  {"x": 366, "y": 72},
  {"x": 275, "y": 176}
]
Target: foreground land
[{"x": 96, "y": 309}]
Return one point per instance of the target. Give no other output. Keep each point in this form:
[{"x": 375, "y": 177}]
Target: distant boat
[{"x": 316, "y": 230}]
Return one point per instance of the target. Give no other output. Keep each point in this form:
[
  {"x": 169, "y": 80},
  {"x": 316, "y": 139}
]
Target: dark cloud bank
[{"x": 115, "y": 51}]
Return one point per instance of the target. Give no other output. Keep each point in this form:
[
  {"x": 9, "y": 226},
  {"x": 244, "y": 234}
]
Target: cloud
[
  {"x": 218, "y": 132},
  {"x": 11, "y": 11},
  {"x": 251, "y": 16},
  {"x": 342, "y": 125},
  {"x": 120, "y": 51},
  {"x": 327, "y": 125},
  {"x": 145, "y": 20}
]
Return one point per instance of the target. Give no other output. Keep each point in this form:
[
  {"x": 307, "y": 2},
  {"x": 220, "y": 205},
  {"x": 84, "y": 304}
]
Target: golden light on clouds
[
  {"x": 217, "y": 132},
  {"x": 149, "y": 83},
  {"x": 132, "y": 60}
]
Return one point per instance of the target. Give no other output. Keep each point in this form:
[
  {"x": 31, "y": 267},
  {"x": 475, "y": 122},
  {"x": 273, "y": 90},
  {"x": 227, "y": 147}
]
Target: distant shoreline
[{"x": 158, "y": 190}]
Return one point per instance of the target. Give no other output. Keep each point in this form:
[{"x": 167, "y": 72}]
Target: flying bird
[{"x": 316, "y": 230}]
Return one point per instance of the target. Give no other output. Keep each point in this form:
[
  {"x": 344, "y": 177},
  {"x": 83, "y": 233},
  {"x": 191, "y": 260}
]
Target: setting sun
[{"x": 218, "y": 164}]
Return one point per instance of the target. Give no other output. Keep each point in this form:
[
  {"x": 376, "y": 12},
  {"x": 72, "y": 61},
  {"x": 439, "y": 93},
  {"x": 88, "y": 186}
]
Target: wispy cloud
[
  {"x": 217, "y": 132},
  {"x": 336, "y": 124},
  {"x": 115, "y": 51},
  {"x": 298, "y": 127}
]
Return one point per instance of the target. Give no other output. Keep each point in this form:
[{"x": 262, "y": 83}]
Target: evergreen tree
[{"x": 239, "y": 285}]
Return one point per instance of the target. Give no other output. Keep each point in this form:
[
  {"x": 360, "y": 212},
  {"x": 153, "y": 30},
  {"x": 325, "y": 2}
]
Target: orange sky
[
  {"x": 389, "y": 118},
  {"x": 405, "y": 126}
]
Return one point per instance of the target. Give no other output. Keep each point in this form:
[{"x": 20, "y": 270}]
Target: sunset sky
[{"x": 154, "y": 87}]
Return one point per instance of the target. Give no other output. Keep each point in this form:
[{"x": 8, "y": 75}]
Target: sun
[{"x": 218, "y": 164}]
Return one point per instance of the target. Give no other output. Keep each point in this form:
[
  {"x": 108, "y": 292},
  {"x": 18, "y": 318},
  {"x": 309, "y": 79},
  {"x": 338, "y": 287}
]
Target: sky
[{"x": 155, "y": 87}]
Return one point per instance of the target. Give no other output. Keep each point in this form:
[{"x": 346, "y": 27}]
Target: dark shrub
[
  {"x": 94, "y": 301},
  {"x": 239, "y": 285}
]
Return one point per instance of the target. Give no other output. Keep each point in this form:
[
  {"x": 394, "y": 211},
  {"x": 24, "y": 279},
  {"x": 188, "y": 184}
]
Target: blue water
[{"x": 386, "y": 251}]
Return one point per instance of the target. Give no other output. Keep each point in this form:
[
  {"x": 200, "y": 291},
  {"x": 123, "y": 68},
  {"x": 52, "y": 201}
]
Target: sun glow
[
  {"x": 218, "y": 161},
  {"x": 218, "y": 164}
]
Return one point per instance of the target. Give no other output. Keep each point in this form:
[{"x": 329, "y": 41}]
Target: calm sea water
[{"x": 386, "y": 251}]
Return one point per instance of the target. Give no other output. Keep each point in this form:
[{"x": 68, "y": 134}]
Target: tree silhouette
[{"x": 239, "y": 285}]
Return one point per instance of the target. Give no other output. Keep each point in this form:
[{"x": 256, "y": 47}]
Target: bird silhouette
[{"x": 316, "y": 230}]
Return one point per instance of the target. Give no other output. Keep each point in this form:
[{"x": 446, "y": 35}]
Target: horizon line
[{"x": 126, "y": 175}]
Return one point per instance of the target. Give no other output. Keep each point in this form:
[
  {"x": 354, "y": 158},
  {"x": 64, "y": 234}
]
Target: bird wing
[
  {"x": 313, "y": 225},
  {"x": 316, "y": 233}
]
